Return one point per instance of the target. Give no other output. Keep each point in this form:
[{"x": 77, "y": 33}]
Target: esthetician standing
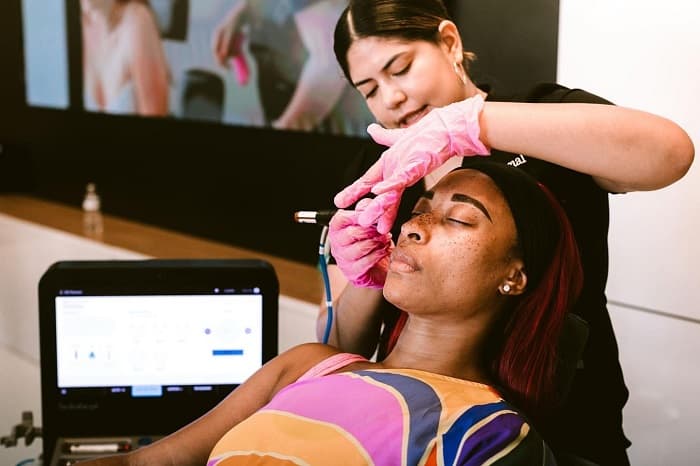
[{"x": 407, "y": 59}]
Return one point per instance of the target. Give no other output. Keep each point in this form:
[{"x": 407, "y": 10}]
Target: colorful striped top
[{"x": 382, "y": 417}]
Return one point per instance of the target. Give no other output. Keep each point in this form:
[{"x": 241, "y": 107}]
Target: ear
[
  {"x": 516, "y": 280},
  {"x": 449, "y": 34}
]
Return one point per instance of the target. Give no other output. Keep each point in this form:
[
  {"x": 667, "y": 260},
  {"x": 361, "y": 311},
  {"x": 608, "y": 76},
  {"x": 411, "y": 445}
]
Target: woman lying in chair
[{"x": 485, "y": 271}]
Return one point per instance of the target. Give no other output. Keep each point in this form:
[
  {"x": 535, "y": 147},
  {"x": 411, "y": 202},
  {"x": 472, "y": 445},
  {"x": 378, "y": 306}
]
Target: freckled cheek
[{"x": 459, "y": 261}]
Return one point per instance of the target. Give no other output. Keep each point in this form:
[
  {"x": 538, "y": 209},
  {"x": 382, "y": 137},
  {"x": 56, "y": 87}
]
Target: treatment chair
[{"x": 572, "y": 342}]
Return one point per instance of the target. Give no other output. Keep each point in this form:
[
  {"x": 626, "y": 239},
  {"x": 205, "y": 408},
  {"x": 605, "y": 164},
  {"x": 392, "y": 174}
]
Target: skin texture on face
[
  {"x": 456, "y": 251},
  {"x": 401, "y": 81}
]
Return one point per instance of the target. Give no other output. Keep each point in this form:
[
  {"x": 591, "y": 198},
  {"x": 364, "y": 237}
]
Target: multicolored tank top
[{"x": 382, "y": 417}]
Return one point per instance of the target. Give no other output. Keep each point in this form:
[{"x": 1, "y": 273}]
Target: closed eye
[
  {"x": 403, "y": 71},
  {"x": 461, "y": 222},
  {"x": 371, "y": 93}
]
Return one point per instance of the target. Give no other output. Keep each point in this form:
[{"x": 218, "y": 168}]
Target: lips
[
  {"x": 402, "y": 262},
  {"x": 412, "y": 117}
]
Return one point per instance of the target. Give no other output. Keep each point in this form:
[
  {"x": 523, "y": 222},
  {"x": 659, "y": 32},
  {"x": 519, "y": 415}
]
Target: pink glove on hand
[
  {"x": 361, "y": 253},
  {"x": 414, "y": 152}
]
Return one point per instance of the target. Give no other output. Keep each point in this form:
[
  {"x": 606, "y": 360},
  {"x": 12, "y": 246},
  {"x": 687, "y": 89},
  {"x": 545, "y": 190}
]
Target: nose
[
  {"x": 417, "y": 229},
  {"x": 393, "y": 96}
]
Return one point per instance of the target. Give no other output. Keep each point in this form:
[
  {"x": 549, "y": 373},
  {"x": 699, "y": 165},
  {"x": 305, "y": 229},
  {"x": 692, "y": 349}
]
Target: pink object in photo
[{"x": 238, "y": 62}]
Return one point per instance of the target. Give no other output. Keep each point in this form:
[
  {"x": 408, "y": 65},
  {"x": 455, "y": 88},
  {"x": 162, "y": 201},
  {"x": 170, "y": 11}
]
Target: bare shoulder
[
  {"x": 313, "y": 348},
  {"x": 306, "y": 355},
  {"x": 294, "y": 362}
]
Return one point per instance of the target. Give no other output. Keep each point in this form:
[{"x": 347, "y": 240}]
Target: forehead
[
  {"x": 468, "y": 179},
  {"x": 473, "y": 183},
  {"x": 369, "y": 54}
]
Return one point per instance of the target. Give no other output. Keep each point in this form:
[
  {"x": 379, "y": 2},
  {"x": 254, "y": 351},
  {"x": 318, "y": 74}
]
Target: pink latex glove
[
  {"x": 414, "y": 152},
  {"x": 361, "y": 253}
]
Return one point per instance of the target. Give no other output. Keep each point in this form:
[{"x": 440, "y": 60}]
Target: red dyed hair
[
  {"x": 527, "y": 361},
  {"x": 395, "y": 331}
]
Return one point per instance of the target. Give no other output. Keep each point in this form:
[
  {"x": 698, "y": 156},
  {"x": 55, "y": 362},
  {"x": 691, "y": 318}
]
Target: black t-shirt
[{"x": 590, "y": 422}]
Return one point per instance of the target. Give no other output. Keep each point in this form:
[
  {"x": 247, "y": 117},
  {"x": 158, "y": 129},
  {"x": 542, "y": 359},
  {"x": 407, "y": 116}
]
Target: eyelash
[
  {"x": 461, "y": 222},
  {"x": 453, "y": 220},
  {"x": 401, "y": 72}
]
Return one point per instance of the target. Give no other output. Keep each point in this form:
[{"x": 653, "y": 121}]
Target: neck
[
  {"x": 472, "y": 89},
  {"x": 449, "y": 348}
]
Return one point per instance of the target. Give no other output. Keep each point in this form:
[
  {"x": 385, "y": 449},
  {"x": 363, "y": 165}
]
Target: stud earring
[{"x": 505, "y": 288}]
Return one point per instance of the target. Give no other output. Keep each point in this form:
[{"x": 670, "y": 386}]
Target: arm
[
  {"x": 621, "y": 148},
  {"x": 93, "y": 36},
  {"x": 362, "y": 258},
  {"x": 192, "y": 444},
  {"x": 148, "y": 66},
  {"x": 356, "y": 315},
  {"x": 321, "y": 83},
  {"x": 360, "y": 311},
  {"x": 225, "y": 32}
]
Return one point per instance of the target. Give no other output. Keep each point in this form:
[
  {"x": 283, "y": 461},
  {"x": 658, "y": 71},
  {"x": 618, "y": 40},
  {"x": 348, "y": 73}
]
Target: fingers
[
  {"x": 220, "y": 46},
  {"x": 362, "y": 204},
  {"x": 401, "y": 179},
  {"x": 352, "y": 193},
  {"x": 359, "y": 188},
  {"x": 373, "y": 276},
  {"x": 353, "y": 235},
  {"x": 344, "y": 229},
  {"x": 376, "y": 276},
  {"x": 383, "y": 136},
  {"x": 375, "y": 174},
  {"x": 382, "y": 211},
  {"x": 358, "y": 251},
  {"x": 361, "y": 255},
  {"x": 341, "y": 220},
  {"x": 386, "y": 221}
]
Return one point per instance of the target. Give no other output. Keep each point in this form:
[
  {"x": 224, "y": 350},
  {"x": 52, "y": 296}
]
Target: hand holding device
[
  {"x": 361, "y": 252},
  {"x": 227, "y": 44},
  {"x": 319, "y": 217},
  {"x": 237, "y": 60},
  {"x": 414, "y": 152}
]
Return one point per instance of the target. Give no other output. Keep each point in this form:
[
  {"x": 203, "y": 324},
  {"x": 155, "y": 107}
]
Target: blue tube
[
  {"x": 26, "y": 462},
  {"x": 326, "y": 284}
]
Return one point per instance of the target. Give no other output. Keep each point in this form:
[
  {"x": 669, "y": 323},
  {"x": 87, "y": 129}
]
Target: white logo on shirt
[{"x": 517, "y": 161}]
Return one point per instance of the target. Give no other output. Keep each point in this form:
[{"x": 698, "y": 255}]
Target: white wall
[
  {"x": 26, "y": 252},
  {"x": 645, "y": 54}
]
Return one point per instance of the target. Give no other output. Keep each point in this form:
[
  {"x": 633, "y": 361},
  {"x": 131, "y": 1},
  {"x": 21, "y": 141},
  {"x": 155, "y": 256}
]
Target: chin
[
  {"x": 394, "y": 293},
  {"x": 389, "y": 290}
]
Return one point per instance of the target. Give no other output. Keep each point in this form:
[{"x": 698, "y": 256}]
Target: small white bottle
[{"x": 92, "y": 213}]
